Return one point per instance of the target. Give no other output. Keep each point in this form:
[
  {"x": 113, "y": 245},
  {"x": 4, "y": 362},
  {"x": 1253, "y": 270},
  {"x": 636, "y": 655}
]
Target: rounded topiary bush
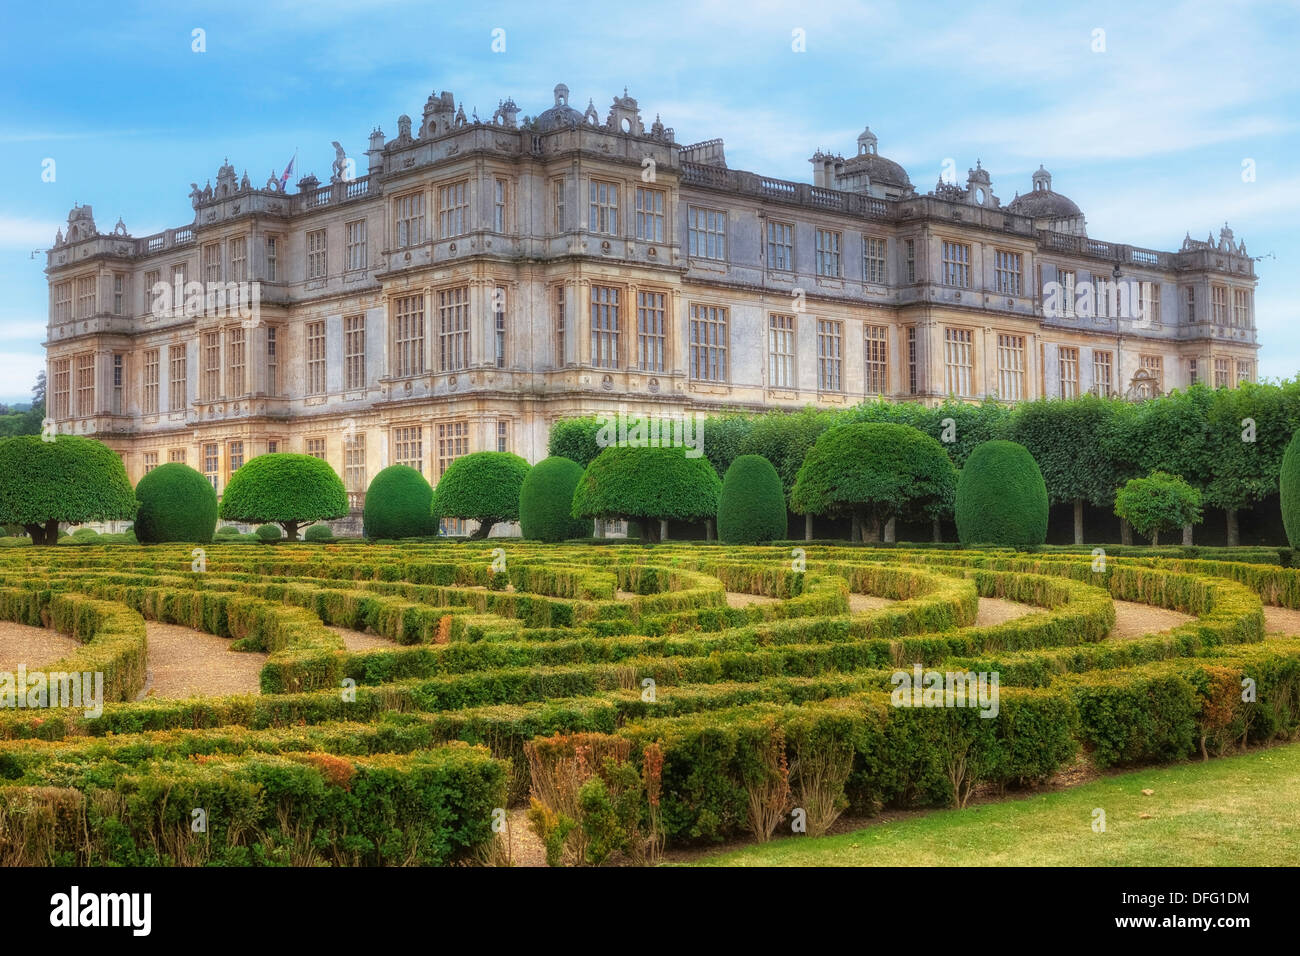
[
  {"x": 1001, "y": 497},
  {"x": 1289, "y": 489},
  {"x": 290, "y": 490},
  {"x": 399, "y": 504},
  {"x": 269, "y": 532},
  {"x": 647, "y": 485},
  {"x": 483, "y": 486},
  {"x": 70, "y": 480},
  {"x": 176, "y": 504},
  {"x": 546, "y": 501},
  {"x": 318, "y": 532},
  {"x": 751, "y": 506}
]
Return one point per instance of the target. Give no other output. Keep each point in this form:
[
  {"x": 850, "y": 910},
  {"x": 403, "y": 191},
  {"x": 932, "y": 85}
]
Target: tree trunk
[
  {"x": 855, "y": 529},
  {"x": 51, "y": 533},
  {"x": 872, "y": 533},
  {"x": 599, "y": 529},
  {"x": 1234, "y": 538},
  {"x": 708, "y": 529},
  {"x": 649, "y": 530},
  {"x": 1155, "y": 538},
  {"x": 1078, "y": 521},
  {"x": 37, "y": 532},
  {"x": 290, "y": 529},
  {"x": 1125, "y": 531},
  {"x": 807, "y": 527},
  {"x": 663, "y": 529},
  {"x": 483, "y": 530},
  {"x": 891, "y": 531},
  {"x": 1187, "y": 535},
  {"x": 938, "y": 531}
]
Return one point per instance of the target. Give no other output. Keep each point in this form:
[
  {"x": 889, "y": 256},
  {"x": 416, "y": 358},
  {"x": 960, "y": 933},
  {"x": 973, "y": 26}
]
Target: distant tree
[
  {"x": 69, "y": 479},
  {"x": 483, "y": 487},
  {"x": 647, "y": 486},
  {"x": 286, "y": 489},
  {"x": 1157, "y": 503},
  {"x": 1249, "y": 429},
  {"x": 874, "y": 472},
  {"x": 575, "y": 439}
]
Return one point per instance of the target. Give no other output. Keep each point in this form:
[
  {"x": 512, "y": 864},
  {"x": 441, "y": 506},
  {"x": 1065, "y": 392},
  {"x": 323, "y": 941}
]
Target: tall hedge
[
  {"x": 399, "y": 504},
  {"x": 648, "y": 485},
  {"x": 1001, "y": 497},
  {"x": 1289, "y": 487},
  {"x": 176, "y": 504},
  {"x": 69, "y": 479},
  {"x": 874, "y": 471},
  {"x": 546, "y": 501},
  {"x": 483, "y": 487},
  {"x": 285, "y": 489},
  {"x": 751, "y": 506}
]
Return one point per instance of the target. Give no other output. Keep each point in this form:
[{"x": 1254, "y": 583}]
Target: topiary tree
[
  {"x": 751, "y": 505},
  {"x": 546, "y": 501},
  {"x": 286, "y": 489},
  {"x": 399, "y": 504},
  {"x": 874, "y": 471},
  {"x": 1289, "y": 491},
  {"x": 268, "y": 532},
  {"x": 176, "y": 504},
  {"x": 70, "y": 479},
  {"x": 1158, "y": 502},
  {"x": 318, "y": 532},
  {"x": 483, "y": 486},
  {"x": 1001, "y": 498},
  {"x": 647, "y": 486}
]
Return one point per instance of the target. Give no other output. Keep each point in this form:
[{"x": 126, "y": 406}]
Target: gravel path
[
  {"x": 1281, "y": 620},
  {"x": 744, "y": 599},
  {"x": 359, "y": 641},
  {"x": 33, "y": 647},
  {"x": 1138, "y": 620},
  {"x": 999, "y": 611},
  {"x": 867, "y": 602},
  {"x": 184, "y": 662}
]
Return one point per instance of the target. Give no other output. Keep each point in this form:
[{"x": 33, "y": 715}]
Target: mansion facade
[{"x": 484, "y": 278}]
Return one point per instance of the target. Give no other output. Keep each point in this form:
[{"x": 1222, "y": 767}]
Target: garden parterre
[{"x": 614, "y": 689}]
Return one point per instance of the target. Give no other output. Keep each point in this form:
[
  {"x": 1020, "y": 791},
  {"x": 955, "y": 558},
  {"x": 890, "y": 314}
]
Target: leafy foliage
[
  {"x": 752, "y": 503},
  {"x": 176, "y": 504},
  {"x": 646, "y": 485},
  {"x": 1157, "y": 503},
  {"x": 1290, "y": 491},
  {"x": 399, "y": 504},
  {"x": 876, "y": 471},
  {"x": 70, "y": 479},
  {"x": 1076, "y": 444},
  {"x": 483, "y": 486},
  {"x": 1001, "y": 498},
  {"x": 546, "y": 501},
  {"x": 288, "y": 489}
]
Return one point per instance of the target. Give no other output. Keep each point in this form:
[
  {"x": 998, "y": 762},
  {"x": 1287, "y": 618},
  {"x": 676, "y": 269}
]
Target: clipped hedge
[
  {"x": 1001, "y": 498},
  {"x": 546, "y": 501},
  {"x": 751, "y": 505},
  {"x": 399, "y": 504},
  {"x": 176, "y": 504}
]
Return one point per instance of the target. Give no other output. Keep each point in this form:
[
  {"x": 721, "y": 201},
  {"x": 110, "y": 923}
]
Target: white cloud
[{"x": 29, "y": 234}]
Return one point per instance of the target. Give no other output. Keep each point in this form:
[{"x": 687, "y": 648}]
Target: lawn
[{"x": 1236, "y": 811}]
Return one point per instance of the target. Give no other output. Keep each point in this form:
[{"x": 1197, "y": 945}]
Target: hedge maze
[{"x": 620, "y": 699}]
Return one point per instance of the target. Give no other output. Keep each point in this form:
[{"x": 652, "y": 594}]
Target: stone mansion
[{"x": 482, "y": 278}]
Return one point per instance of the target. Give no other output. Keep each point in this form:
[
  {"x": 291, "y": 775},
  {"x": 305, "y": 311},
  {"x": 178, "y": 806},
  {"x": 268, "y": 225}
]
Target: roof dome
[
  {"x": 883, "y": 171},
  {"x": 561, "y": 115},
  {"x": 1042, "y": 203}
]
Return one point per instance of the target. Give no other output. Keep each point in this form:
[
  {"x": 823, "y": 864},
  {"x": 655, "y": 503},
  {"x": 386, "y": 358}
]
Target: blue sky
[{"x": 1148, "y": 137}]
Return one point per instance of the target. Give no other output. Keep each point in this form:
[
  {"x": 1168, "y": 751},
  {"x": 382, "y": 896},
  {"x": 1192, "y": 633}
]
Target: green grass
[{"x": 1235, "y": 811}]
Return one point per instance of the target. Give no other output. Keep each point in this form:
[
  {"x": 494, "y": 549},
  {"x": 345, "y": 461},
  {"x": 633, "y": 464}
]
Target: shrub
[
  {"x": 1001, "y": 498},
  {"x": 874, "y": 471},
  {"x": 268, "y": 532},
  {"x": 647, "y": 485},
  {"x": 290, "y": 490},
  {"x": 71, "y": 480},
  {"x": 484, "y": 487},
  {"x": 318, "y": 532},
  {"x": 399, "y": 504},
  {"x": 1289, "y": 489},
  {"x": 546, "y": 501},
  {"x": 228, "y": 531},
  {"x": 751, "y": 505},
  {"x": 176, "y": 504},
  {"x": 575, "y": 439},
  {"x": 1156, "y": 503}
]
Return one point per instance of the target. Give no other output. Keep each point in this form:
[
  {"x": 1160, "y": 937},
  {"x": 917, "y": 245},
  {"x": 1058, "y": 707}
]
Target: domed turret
[
  {"x": 867, "y": 172},
  {"x": 561, "y": 115},
  {"x": 1049, "y": 209}
]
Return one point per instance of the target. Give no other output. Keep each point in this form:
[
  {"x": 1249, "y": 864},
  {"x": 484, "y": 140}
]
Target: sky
[{"x": 1157, "y": 118}]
